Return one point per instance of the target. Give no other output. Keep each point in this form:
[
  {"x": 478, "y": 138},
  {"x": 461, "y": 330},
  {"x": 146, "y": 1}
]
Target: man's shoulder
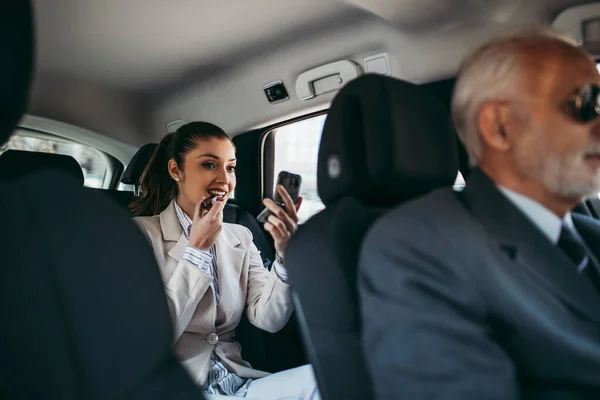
[
  {"x": 590, "y": 222},
  {"x": 436, "y": 230},
  {"x": 435, "y": 223},
  {"x": 441, "y": 207},
  {"x": 587, "y": 226}
]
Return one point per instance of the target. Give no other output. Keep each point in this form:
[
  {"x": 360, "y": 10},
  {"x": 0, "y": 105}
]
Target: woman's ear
[{"x": 174, "y": 170}]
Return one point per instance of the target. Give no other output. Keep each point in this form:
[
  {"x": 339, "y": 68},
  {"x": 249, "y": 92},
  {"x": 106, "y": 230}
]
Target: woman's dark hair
[{"x": 157, "y": 186}]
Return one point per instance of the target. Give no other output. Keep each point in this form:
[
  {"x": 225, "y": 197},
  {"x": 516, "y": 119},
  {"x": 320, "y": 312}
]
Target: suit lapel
[
  {"x": 230, "y": 262},
  {"x": 172, "y": 232},
  {"x": 169, "y": 224},
  {"x": 177, "y": 251},
  {"x": 525, "y": 245},
  {"x": 589, "y": 229}
]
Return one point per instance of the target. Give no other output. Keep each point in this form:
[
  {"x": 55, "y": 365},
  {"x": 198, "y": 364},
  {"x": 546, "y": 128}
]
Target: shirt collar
[
  {"x": 545, "y": 220},
  {"x": 184, "y": 220}
]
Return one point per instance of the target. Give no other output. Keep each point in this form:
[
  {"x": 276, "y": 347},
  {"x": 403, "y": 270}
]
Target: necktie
[{"x": 577, "y": 252}]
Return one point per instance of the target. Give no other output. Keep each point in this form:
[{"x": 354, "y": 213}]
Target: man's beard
[{"x": 565, "y": 175}]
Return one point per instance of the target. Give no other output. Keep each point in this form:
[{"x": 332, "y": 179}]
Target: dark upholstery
[
  {"x": 133, "y": 172},
  {"x": 385, "y": 141},
  {"x": 123, "y": 198},
  {"x": 16, "y": 63},
  {"x": 83, "y": 311},
  {"x": 393, "y": 147},
  {"x": 15, "y": 164},
  {"x": 82, "y": 299}
]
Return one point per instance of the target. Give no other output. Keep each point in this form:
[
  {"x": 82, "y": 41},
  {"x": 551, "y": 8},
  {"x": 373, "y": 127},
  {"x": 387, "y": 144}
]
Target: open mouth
[
  {"x": 219, "y": 193},
  {"x": 593, "y": 157},
  {"x": 593, "y": 161}
]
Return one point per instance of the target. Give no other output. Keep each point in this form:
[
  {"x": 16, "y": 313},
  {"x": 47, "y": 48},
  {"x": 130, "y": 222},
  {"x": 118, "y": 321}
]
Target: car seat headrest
[
  {"x": 135, "y": 168},
  {"x": 15, "y": 164},
  {"x": 16, "y": 64},
  {"x": 385, "y": 141}
]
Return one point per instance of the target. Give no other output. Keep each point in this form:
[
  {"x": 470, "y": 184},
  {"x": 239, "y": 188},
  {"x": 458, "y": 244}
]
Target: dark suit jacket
[{"x": 464, "y": 298}]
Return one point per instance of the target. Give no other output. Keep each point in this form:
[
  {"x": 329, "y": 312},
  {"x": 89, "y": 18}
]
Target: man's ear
[{"x": 492, "y": 125}]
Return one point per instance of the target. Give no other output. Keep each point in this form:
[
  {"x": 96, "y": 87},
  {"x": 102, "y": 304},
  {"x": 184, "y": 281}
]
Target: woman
[{"x": 212, "y": 270}]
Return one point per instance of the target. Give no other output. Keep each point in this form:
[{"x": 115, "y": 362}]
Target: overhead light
[
  {"x": 174, "y": 125},
  {"x": 378, "y": 64}
]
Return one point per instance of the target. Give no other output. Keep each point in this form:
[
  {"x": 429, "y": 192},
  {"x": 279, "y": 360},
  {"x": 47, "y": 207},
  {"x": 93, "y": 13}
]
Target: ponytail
[{"x": 157, "y": 186}]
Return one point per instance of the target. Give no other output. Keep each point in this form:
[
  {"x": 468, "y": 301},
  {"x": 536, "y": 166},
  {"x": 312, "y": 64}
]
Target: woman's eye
[
  {"x": 208, "y": 165},
  {"x": 231, "y": 168}
]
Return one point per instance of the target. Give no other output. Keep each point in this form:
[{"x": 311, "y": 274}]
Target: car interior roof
[{"x": 126, "y": 68}]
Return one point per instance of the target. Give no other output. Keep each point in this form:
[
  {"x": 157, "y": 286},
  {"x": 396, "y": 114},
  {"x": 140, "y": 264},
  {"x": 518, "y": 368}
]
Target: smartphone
[{"x": 291, "y": 183}]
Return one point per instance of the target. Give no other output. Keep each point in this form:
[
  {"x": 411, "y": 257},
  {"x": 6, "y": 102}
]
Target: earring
[{"x": 176, "y": 179}]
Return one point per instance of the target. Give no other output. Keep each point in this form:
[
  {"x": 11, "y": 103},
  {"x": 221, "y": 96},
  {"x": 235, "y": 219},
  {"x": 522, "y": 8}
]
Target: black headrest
[
  {"x": 15, "y": 164},
  {"x": 385, "y": 141},
  {"x": 16, "y": 63},
  {"x": 138, "y": 163}
]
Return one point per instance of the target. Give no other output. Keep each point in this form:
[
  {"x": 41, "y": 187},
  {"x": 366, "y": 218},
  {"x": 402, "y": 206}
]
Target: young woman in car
[{"x": 212, "y": 270}]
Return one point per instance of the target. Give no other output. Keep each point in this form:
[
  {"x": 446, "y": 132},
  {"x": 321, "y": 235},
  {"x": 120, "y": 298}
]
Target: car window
[
  {"x": 296, "y": 150},
  {"x": 93, "y": 163},
  {"x": 459, "y": 183}
]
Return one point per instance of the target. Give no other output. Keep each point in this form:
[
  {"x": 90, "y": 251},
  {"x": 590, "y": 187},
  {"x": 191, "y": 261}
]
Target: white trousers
[{"x": 293, "y": 384}]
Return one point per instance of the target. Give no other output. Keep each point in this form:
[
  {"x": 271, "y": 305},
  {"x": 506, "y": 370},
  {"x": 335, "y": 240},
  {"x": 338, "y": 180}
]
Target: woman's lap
[
  {"x": 293, "y": 384},
  {"x": 297, "y": 383}
]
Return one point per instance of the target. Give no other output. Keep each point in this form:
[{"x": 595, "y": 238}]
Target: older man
[{"x": 494, "y": 293}]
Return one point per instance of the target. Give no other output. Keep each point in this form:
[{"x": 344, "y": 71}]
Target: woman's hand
[
  {"x": 282, "y": 223},
  {"x": 206, "y": 225}
]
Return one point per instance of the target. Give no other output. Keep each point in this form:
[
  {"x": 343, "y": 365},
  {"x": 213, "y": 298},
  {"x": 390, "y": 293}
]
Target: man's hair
[{"x": 489, "y": 73}]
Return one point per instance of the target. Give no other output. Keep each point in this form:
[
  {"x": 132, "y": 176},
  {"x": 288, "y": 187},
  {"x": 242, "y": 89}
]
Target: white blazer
[{"x": 243, "y": 282}]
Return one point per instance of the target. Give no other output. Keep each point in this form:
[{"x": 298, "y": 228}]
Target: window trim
[
  {"x": 113, "y": 166},
  {"x": 266, "y": 157},
  {"x": 121, "y": 151}
]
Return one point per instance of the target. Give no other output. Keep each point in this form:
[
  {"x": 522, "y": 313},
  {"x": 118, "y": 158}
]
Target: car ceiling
[{"x": 126, "y": 68}]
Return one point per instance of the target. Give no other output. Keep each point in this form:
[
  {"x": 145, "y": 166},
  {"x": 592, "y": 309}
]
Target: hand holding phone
[
  {"x": 282, "y": 221},
  {"x": 291, "y": 183}
]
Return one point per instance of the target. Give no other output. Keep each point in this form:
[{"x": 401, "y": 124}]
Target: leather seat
[
  {"x": 137, "y": 165},
  {"x": 15, "y": 164},
  {"x": 84, "y": 315},
  {"x": 123, "y": 198},
  {"x": 385, "y": 141}
]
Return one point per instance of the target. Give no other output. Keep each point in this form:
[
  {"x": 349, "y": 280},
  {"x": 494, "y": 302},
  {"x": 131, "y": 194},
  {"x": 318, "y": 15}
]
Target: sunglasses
[{"x": 584, "y": 104}]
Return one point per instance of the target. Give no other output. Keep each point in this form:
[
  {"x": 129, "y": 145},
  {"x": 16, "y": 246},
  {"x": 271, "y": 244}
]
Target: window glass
[
  {"x": 459, "y": 183},
  {"x": 296, "y": 151},
  {"x": 92, "y": 161}
]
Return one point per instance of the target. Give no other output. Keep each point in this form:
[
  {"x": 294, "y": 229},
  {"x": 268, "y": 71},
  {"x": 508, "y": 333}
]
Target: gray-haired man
[{"x": 494, "y": 292}]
